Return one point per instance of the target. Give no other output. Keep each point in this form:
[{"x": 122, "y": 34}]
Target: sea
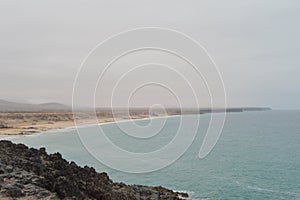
[{"x": 256, "y": 157}]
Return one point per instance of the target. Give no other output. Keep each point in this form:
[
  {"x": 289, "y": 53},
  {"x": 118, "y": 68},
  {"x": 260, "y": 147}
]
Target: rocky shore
[{"x": 28, "y": 173}]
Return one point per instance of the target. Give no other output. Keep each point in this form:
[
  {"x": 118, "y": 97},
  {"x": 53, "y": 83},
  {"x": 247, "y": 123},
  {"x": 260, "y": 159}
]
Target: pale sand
[{"x": 29, "y": 123}]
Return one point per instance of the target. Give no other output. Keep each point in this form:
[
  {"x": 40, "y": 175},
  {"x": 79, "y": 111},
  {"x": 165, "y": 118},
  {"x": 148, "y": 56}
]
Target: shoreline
[
  {"x": 15, "y": 124},
  {"x": 73, "y": 127},
  {"x": 28, "y": 123}
]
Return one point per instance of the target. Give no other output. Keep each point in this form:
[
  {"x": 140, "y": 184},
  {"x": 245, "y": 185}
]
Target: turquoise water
[{"x": 256, "y": 157}]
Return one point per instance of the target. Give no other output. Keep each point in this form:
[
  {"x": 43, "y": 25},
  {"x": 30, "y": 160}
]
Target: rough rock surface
[{"x": 28, "y": 173}]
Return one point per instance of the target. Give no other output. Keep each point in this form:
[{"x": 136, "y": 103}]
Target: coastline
[
  {"x": 61, "y": 130},
  {"x": 28, "y": 123},
  {"x": 74, "y": 126},
  {"x": 14, "y": 124}
]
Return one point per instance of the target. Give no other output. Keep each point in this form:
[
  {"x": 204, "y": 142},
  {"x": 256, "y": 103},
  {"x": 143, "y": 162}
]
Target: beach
[
  {"x": 29, "y": 123},
  {"x": 26, "y": 123}
]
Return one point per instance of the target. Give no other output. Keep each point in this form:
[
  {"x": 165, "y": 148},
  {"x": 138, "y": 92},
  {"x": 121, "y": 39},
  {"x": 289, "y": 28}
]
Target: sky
[{"x": 255, "y": 44}]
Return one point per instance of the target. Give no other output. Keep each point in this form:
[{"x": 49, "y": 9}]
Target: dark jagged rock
[{"x": 33, "y": 174}]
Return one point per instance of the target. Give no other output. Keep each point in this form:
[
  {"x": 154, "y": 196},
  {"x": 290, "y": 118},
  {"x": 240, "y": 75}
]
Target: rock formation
[{"x": 28, "y": 173}]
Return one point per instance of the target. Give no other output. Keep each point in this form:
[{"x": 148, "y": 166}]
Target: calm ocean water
[{"x": 256, "y": 157}]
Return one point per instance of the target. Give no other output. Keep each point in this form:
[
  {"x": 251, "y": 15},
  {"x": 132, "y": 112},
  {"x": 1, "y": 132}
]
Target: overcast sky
[{"x": 254, "y": 42}]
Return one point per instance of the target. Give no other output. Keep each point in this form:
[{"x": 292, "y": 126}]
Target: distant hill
[{"x": 7, "y": 106}]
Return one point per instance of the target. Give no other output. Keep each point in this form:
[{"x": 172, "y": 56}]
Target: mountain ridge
[{"x": 8, "y": 106}]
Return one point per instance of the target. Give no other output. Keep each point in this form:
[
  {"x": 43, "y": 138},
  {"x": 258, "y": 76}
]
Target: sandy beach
[{"x": 26, "y": 123}]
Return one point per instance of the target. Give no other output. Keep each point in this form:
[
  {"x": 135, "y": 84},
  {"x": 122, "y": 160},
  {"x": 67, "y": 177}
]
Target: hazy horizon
[{"x": 254, "y": 43}]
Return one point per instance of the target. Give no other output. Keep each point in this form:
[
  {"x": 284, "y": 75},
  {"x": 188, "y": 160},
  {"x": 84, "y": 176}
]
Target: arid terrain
[
  {"x": 22, "y": 123},
  {"x": 24, "y": 119}
]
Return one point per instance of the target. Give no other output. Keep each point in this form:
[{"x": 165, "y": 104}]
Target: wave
[
  {"x": 269, "y": 190},
  {"x": 190, "y": 193}
]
